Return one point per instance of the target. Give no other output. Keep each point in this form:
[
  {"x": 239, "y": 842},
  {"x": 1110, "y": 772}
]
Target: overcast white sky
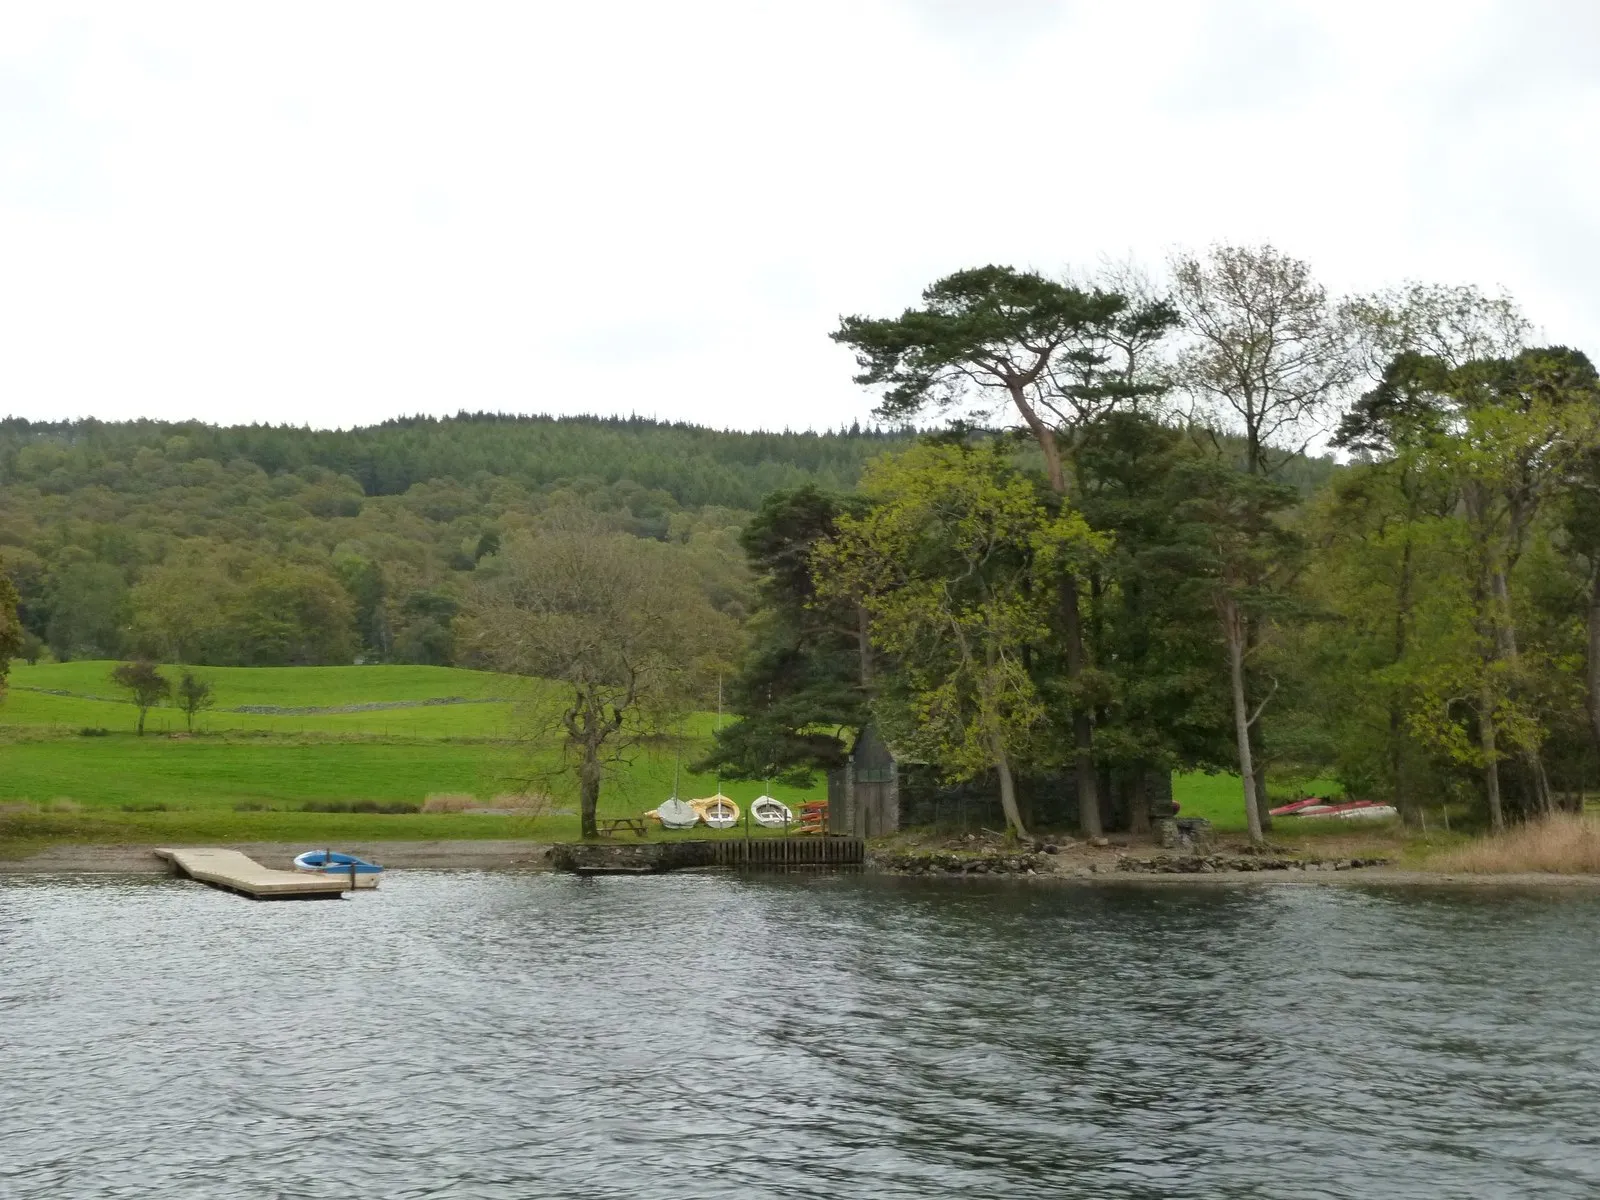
[{"x": 334, "y": 213}]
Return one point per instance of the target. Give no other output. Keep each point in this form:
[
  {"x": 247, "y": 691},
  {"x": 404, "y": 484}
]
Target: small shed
[{"x": 864, "y": 794}]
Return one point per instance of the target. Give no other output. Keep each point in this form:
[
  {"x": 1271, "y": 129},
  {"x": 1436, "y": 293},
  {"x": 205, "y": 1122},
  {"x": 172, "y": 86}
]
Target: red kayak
[{"x": 1300, "y": 806}]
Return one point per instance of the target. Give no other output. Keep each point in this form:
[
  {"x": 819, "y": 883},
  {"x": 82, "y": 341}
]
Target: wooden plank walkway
[{"x": 234, "y": 872}]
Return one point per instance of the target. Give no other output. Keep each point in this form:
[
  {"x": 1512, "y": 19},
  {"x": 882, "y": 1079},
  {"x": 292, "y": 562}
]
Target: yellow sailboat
[{"x": 719, "y": 812}]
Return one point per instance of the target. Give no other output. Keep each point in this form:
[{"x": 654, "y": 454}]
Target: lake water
[{"x": 524, "y": 1035}]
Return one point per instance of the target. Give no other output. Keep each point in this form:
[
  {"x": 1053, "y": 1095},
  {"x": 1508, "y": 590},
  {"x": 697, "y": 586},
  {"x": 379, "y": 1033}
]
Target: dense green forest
[
  {"x": 265, "y": 545},
  {"x": 1146, "y": 574}
]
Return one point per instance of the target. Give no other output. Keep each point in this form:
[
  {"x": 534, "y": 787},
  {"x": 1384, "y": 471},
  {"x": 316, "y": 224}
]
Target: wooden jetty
[{"x": 234, "y": 872}]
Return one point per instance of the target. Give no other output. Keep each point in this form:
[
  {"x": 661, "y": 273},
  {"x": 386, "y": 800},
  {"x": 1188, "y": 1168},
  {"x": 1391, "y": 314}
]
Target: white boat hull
[
  {"x": 363, "y": 881},
  {"x": 770, "y": 813}
]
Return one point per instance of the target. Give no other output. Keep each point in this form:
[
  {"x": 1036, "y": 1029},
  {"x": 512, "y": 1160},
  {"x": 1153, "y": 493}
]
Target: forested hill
[
  {"x": 696, "y": 466},
  {"x": 260, "y": 545}
]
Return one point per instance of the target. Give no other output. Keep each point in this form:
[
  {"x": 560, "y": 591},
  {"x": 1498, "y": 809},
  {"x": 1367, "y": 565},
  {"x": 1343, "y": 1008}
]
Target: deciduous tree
[
  {"x": 957, "y": 560},
  {"x": 11, "y": 632},
  {"x": 145, "y": 684},
  {"x": 194, "y": 697},
  {"x": 616, "y": 624}
]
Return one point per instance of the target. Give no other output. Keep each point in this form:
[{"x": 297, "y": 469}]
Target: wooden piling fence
[
  {"x": 790, "y": 852},
  {"x": 653, "y": 857}
]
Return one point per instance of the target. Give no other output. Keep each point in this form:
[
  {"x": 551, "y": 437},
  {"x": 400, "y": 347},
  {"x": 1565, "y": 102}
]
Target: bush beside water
[{"x": 358, "y": 806}]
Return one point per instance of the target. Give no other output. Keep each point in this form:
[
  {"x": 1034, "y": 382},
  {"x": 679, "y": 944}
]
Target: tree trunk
[
  {"x": 1491, "y": 762},
  {"x": 1139, "y": 803},
  {"x": 1258, "y": 754},
  {"x": 1008, "y": 786},
  {"x": 1241, "y": 718},
  {"x": 1505, "y": 636},
  {"x": 864, "y": 646},
  {"x": 1402, "y": 616},
  {"x": 1593, "y": 664},
  {"x": 1082, "y": 731},
  {"x": 1258, "y": 764},
  {"x": 142, "y": 711},
  {"x": 589, "y": 791}
]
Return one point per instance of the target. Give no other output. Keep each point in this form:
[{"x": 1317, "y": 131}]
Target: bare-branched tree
[
  {"x": 619, "y": 629},
  {"x": 1267, "y": 355}
]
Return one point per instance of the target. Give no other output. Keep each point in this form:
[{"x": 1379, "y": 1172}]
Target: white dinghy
[
  {"x": 770, "y": 813},
  {"x": 675, "y": 814}
]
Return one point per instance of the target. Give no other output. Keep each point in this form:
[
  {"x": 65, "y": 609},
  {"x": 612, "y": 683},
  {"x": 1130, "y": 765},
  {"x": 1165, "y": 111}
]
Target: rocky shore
[
  {"x": 1044, "y": 861},
  {"x": 1068, "y": 864}
]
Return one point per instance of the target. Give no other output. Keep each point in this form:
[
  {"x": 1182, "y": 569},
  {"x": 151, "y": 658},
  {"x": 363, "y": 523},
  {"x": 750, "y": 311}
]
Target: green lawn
[
  {"x": 1220, "y": 798},
  {"x": 498, "y": 706},
  {"x": 297, "y": 687},
  {"x": 219, "y": 773},
  {"x": 247, "y": 776},
  {"x": 282, "y": 762}
]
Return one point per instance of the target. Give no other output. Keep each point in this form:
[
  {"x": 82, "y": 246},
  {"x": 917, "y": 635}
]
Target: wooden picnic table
[{"x": 612, "y": 825}]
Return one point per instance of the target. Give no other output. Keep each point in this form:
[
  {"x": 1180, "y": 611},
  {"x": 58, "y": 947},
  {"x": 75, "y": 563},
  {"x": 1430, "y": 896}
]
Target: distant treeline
[
  {"x": 696, "y": 466},
  {"x": 261, "y": 545}
]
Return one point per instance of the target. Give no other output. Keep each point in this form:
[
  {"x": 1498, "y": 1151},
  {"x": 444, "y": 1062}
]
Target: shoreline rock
[{"x": 1210, "y": 864}]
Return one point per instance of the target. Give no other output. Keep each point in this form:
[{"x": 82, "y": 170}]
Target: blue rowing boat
[{"x": 332, "y": 862}]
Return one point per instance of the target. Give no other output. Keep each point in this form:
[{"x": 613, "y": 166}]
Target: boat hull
[
  {"x": 358, "y": 872},
  {"x": 770, "y": 813},
  {"x": 363, "y": 882}
]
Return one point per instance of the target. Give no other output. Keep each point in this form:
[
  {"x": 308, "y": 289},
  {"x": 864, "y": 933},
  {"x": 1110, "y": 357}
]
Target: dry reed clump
[
  {"x": 1560, "y": 844},
  {"x": 449, "y": 802},
  {"x": 530, "y": 804}
]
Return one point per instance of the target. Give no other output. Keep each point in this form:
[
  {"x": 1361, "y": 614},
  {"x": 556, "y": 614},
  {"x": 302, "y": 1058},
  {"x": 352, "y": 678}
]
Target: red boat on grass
[{"x": 1321, "y": 806}]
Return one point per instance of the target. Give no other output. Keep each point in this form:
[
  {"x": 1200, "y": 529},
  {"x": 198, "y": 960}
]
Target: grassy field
[{"x": 249, "y": 775}]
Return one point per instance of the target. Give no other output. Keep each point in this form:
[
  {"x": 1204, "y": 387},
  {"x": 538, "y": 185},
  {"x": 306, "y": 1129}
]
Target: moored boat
[
  {"x": 1352, "y": 810},
  {"x": 333, "y": 862},
  {"x": 1300, "y": 807},
  {"x": 719, "y": 812},
  {"x": 675, "y": 814},
  {"x": 770, "y": 813}
]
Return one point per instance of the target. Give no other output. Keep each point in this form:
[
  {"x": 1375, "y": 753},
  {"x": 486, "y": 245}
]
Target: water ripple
[{"x": 510, "y": 1035}]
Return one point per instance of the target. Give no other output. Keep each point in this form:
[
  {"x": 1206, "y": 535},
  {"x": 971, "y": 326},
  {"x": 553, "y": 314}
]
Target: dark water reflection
[{"x": 504, "y": 1035}]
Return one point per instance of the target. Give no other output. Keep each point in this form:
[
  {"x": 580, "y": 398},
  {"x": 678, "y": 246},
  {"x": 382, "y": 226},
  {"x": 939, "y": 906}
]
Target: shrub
[
  {"x": 89, "y": 731},
  {"x": 144, "y": 806},
  {"x": 1560, "y": 844},
  {"x": 358, "y": 806}
]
